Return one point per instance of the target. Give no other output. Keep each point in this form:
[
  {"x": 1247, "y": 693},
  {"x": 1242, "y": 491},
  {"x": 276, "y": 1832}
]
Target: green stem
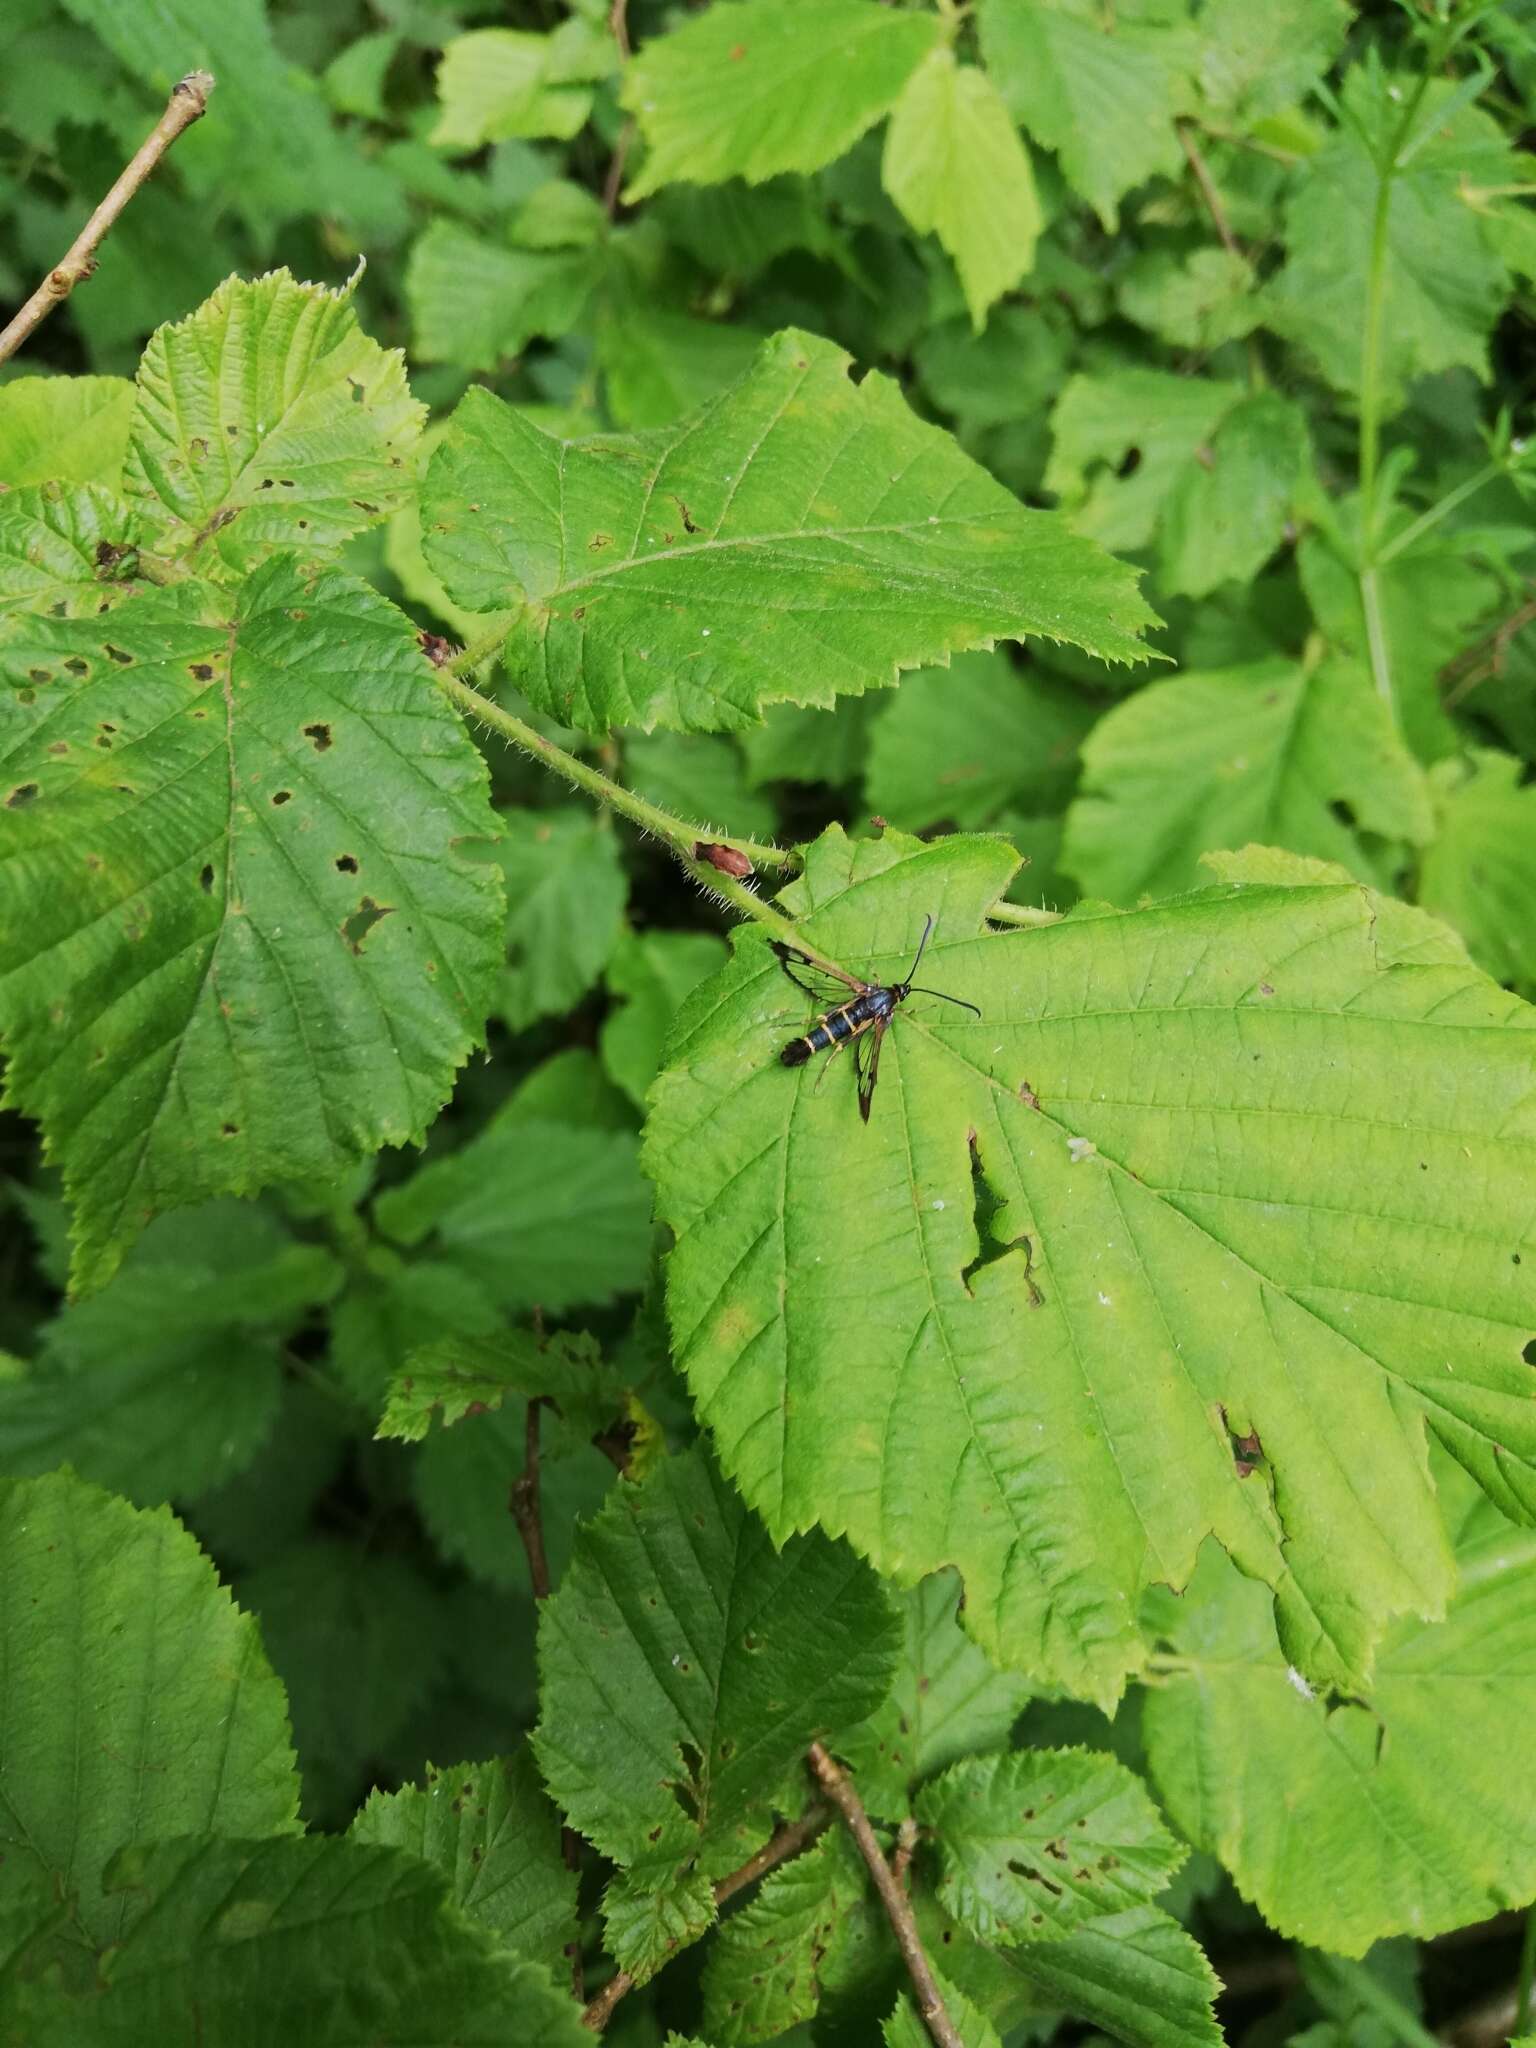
[
  {"x": 1376, "y": 637},
  {"x": 1527, "y": 1979},
  {"x": 476, "y": 653},
  {"x": 681, "y": 838},
  {"x": 1021, "y": 913},
  {"x": 1374, "y": 1995},
  {"x": 1436, "y": 512}
]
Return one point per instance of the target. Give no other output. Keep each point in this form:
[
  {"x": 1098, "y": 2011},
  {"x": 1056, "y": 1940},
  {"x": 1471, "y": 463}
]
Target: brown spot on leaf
[
  {"x": 23, "y": 793},
  {"x": 320, "y": 736}
]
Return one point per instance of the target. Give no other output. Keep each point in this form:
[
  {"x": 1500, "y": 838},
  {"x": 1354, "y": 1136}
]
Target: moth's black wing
[
  {"x": 827, "y": 989},
  {"x": 866, "y": 1062}
]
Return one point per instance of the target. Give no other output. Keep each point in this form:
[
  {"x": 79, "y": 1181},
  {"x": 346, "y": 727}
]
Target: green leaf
[
  {"x": 763, "y": 1971},
  {"x": 1399, "y": 1791},
  {"x": 135, "y": 1696},
  {"x": 566, "y": 892},
  {"x": 1060, "y": 64},
  {"x": 286, "y": 1940},
  {"x": 1228, "y": 511},
  {"x": 1302, "y": 755},
  {"x": 768, "y": 86},
  {"x": 658, "y": 365},
  {"x": 167, "y": 1383},
  {"x": 1036, "y": 1843},
  {"x": 1443, "y": 284},
  {"x": 1137, "y": 1975},
  {"x": 458, "y": 1375},
  {"x": 476, "y": 303},
  {"x": 267, "y": 419},
  {"x": 541, "y": 1213},
  {"x": 355, "y": 1636},
  {"x": 1196, "y": 301},
  {"x": 493, "y": 1833},
  {"x": 1101, "y": 421},
  {"x": 948, "y": 1702},
  {"x": 64, "y": 429},
  {"x": 647, "y": 1920},
  {"x": 499, "y": 82},
  {"x": 1099, "y": 1185},
  {"x": 955, "y": 166},
  {"x": 205, "y": 893},
  {"x": 1479, "y": 871},
  {"x": 462, "y": 1477},
  {"x": 723, "y": 1658},
  {"x": 1261, "y": 60},
  {"x": 961, "y": 744},
  {"x": 905, "y": 2029},
  {"x": 691, "y": 577},
  {"x": 652, "y": 972}
]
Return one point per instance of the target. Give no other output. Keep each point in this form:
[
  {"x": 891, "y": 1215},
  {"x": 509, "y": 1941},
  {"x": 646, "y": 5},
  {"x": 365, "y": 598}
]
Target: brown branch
[
  {"x": 1478, "y": 664},
  {"x": 1208, "y": 192},
  {"x": 838, "y": 1787},
  {"x": 618, "y": 23},
  {"x": 524, "y": 1501},
  {"x": 616, "y": 163},
  {"x": 906, "y": 1842},
  {"x": 784, "y": 1843},
  {"x": 188, "y": 103}
]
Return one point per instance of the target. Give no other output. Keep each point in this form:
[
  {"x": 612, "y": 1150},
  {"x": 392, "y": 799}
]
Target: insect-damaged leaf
[
  {"x": 223, "y": 960},
  {"x": 800, "y": 537},
  {"x": 1132, "y": 1215}
]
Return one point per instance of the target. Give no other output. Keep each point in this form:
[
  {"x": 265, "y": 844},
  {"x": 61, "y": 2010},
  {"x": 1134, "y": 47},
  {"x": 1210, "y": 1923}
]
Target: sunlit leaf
[
  {"x": 1153, "y": 1169},
  {"x": 692, "y": 576}
]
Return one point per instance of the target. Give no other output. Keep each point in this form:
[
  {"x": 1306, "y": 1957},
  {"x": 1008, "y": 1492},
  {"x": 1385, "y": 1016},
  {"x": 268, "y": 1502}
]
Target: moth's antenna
[
  {"x": 922, "y": 942},
  {"x": 958, "y": 1000}
]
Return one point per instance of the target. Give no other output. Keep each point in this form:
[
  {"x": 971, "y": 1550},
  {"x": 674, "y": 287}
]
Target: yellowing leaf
[
  {"x": 955, "y": 166},
  {"x": 750, "y": 90}
]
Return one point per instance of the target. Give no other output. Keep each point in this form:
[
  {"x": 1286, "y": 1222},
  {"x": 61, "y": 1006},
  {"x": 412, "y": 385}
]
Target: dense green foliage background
[{"x": 1176, "y": 1308}]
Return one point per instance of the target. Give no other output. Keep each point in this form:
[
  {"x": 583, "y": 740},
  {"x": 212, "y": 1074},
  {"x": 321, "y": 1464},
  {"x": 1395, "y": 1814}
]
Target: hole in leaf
[
  {"x": 23, "y": 793},
  {"x": 282, "y": 796},
  {"x": 41, "y": 675},
  {"x": 346, "y": 863},
  {"x": 230, "y": 1130},
  {"x": 320, "y": 734},
  {"x": 119, "y": 655},
  {"x": 1130, "y": 462},
  {"x": 1344, "y": 813},
  {"x": 1529, "y": 1353},
  {"x": 355, "y": 929},
  {"x": 200, "y": 671},
  {"x": 77, "y": 667},
  {"x": 205, "y": 879}
]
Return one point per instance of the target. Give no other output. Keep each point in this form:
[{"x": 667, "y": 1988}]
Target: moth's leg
[{"x": 826, "y": 1064}]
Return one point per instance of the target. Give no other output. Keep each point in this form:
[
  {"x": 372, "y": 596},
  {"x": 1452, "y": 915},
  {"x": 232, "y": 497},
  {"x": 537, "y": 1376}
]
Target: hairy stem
[
  {"x": 838, "y": 1787},
  {"x": 784, "y": 1843},
  {"x": 1021, "y": 913},
  {"x": 681, "y": 837},
  {"x": 188, "y": 103}
]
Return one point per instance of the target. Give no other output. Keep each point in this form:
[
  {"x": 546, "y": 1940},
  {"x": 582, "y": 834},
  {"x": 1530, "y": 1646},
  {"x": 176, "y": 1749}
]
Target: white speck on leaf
[
  {"x": 1294, "y": 1677},
  {"x": 938, "y": 1205}
]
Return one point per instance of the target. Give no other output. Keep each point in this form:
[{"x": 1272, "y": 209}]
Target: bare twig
[
  {"x": 618, "y": 23},
  {"x": 838, "y": 1787},
  {"x": 784, "y": 1843},
  {"x": 1461, "y": 676},
  {"x": 526, "y": 1505},
  {"x": 1208, "y": 192},
  {"x": 616, "y": 163},
  {"x": 906, "y": 1842},
  {"x": 188, "y": 103}
]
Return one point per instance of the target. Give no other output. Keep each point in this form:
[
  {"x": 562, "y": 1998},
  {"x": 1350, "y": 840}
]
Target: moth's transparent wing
[
  {"x": 827, "y": 989},
  {"x": 866, "y": 1063}
]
